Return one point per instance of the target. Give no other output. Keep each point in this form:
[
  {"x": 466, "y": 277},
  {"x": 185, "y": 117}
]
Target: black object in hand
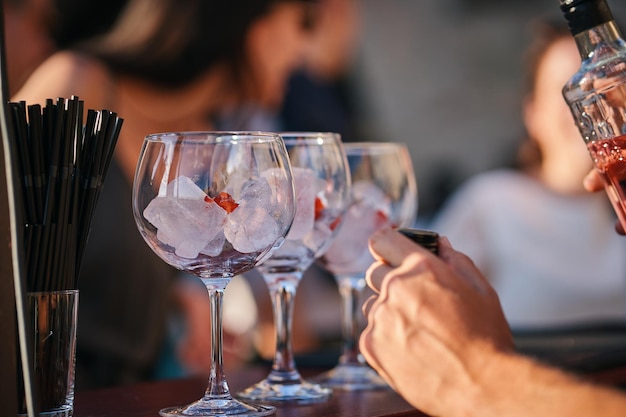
[{"x": 425, "y": 238}]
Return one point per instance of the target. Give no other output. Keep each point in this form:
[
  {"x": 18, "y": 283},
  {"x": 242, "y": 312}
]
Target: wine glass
[
  {"x": 322, "y": 183},
  {"x": 384, "y": 193},
  {"x": 214, "y": 204}
]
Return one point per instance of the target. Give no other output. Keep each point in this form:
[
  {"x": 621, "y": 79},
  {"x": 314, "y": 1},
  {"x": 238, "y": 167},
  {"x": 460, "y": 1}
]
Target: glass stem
[
  {"x": 218, "y": 387},
  {"x": 283, "y": 291},
  {"x": 350, "y": 289}
]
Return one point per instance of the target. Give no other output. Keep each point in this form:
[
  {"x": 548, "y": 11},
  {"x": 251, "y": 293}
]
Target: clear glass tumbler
[{"x": 53, "y": 317}]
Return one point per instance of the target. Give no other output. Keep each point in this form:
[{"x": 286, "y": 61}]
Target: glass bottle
[{"x": 596, "y": 94}]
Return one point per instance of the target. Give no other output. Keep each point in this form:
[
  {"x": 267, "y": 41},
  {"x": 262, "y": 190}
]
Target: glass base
[
  {"x": 299, "y": 391},
  {"x": 63, "y": 411},
  {"x": 218, "y": 408},
  {"x": 352, "y": 378}
]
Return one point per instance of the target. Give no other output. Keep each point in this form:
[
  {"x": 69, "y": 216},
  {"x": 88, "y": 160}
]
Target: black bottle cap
[
  {"x": 582, "y": 15},
  {"x": 425, "y": 238}
]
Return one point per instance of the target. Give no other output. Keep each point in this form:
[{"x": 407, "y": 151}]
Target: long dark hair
[{"x": 170, "y": 43}]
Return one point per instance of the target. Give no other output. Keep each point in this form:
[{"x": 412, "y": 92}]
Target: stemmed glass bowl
[
  {"x": 384, "y": 193},
  {"x": 322, "y": 183},
  {"x": 214, "y": 204}
]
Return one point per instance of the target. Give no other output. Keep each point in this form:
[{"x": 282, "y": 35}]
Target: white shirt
[{"x": 553, "y": 259}]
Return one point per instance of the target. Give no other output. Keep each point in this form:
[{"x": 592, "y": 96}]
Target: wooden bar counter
[
  {"x": 599, "y": 358},
  {"x": 146, "y": 399}
]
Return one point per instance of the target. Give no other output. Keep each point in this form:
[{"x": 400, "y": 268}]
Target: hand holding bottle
[{"x": 593, "y": 183}]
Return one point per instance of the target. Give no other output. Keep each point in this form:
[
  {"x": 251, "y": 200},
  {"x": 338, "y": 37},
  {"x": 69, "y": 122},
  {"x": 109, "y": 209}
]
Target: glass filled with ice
[
  {"x": 384, "y": 193},
  {"x": 322, "y": 183},
  {"x": 214, "y": 204}
]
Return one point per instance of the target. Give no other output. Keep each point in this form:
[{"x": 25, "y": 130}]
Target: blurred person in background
[
  {"x": 547, "y": 247},
  {"x": 77, "y": 20},
  {"x": 35, "y": 29},
  {"x": 321, "y": 94},
  {"x": 27, "y": 25},
  {"x": 165, "y": 65}
]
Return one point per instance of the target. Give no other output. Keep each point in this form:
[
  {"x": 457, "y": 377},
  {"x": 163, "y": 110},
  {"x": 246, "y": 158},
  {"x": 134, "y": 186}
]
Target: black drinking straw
[
  {"x": 21, "y": 133},
  {"x": 101, "y": 132},
  {"x": 62, "y": 165},
  {"x": 45, "y": 262},
  {"x": 18, "y": 113},
  {"x": 64, "y": 197},
  {"x": 35, "y": 140},
  {"x": 35, "y": 136}
]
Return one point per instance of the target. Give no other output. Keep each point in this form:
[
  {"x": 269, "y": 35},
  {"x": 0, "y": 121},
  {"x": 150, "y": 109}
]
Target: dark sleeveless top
[{"x": 124, "y": 295}]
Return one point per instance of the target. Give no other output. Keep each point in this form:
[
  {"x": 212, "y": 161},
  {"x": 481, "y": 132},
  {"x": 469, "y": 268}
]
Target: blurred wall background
[{"x": 444, "y": 76}]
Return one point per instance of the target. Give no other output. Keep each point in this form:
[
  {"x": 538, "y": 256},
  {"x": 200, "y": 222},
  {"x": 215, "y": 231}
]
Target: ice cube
[
  {"x": 184, "y": 187},
  {"x": 256, "y": 192},
  {"x": 235, "y": 184},
  {"x": 349, "y": 250},
  {"x": 278, "y": 182},
  {"x": 318, "y": 239},
  {"x": 251, "y": 229},
  {"x": 215, "y": 246},
  {"x": 306, "y": 185},
  {"x": 368, "y": 194},
  {"x": 283, "y": 203},
  {"x": 187, "y": 225}
]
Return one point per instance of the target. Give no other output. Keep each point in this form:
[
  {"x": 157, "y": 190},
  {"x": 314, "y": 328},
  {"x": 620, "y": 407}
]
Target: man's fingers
[
  {"x": 391, "y": 247},
  {"x": 592, "y": 181},
  {"x": 367, "y": 305},
  {"x": 376, "y": 274}
]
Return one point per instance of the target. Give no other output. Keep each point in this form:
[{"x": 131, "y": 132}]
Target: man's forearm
[{"x": 517, "y": 386}]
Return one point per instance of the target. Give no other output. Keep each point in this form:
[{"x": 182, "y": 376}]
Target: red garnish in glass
[
  {"x": 319, "y": 207},
  {"x": 335, "y": 223},
  {"x": 225, "y": 201},
  {"x": 381, "y": 216}
]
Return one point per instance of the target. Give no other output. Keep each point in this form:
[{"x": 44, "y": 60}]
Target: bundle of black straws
[{"x": 62, "y": 163}]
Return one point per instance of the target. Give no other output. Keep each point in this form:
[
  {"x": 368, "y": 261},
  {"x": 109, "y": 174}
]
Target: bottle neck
[
  {"x": 592, "y": 41},
  {"x": 582, "y": 15}
]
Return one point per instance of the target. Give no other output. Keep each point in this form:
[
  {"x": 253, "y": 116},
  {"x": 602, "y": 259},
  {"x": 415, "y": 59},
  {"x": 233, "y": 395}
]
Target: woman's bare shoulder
[{"x": 66, "y": 74}]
